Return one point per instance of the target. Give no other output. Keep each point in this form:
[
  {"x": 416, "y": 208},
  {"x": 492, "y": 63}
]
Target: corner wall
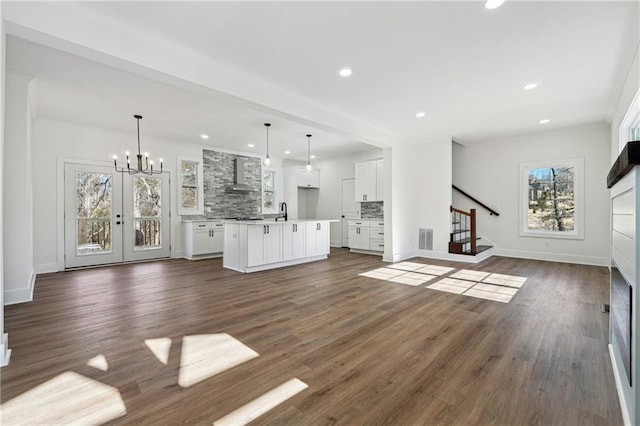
[
  {"x": 490, "y": 173},
  {"x": 19, "y": 274}
]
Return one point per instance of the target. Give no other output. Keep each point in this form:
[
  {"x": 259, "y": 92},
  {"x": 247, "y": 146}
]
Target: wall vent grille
[{"x": 425, "y": 239}]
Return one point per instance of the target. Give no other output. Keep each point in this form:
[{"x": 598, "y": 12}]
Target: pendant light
[
  {"x": 148, "y": 169},
  {"x": 308, "y": 153},
  {"x": 267, "y": 159}
]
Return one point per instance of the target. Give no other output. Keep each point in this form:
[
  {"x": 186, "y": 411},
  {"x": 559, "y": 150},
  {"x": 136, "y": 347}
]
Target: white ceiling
[{"x": 461, "y": 64}]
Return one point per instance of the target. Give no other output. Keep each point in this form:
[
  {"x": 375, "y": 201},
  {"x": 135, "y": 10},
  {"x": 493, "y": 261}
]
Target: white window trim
[
  {"x": 199, "y": 210},
  {"x": 276, "y": 191},
  {"x": 578, "y": 219}
]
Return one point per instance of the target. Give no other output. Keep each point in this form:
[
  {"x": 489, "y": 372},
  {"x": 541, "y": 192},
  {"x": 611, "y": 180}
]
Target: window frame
[
  {"x": 578, "y": 192},
  {"x": 199, "y": 209},
  {"x": 276, "y": 191}
]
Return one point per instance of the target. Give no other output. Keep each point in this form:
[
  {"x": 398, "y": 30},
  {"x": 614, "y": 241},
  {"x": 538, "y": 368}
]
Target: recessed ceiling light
[
  {"x": 493, "y": 4},
  {"x": 530, "y": 86},
  {"x": 313, "y": 156},
  {"x": 287, "y": 152},
  {"x": 203, "y": 136},
  {"x": 345, "y": 72},
  {"x": 251, "y": 145},
  {"x": 544, "y": 121},
  {"x": 420, "y": 114}
]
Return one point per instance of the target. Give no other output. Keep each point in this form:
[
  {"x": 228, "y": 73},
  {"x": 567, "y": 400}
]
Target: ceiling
[{"x": 464, "y": 66}]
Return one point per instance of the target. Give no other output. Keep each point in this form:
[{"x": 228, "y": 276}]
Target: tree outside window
[
  {"x": 269, "y": 195},
  {"x": 551, "y": 195}
]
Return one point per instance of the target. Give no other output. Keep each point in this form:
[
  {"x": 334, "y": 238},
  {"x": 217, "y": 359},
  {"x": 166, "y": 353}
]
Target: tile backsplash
[{"x": 372, "y": 210}]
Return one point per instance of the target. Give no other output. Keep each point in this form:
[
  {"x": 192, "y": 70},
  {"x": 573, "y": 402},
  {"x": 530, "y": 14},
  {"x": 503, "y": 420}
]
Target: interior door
[
  {"x": 147, "y": 226},
  {"x": 350, "y": 209},
  {"x": 93, "y": 209}
]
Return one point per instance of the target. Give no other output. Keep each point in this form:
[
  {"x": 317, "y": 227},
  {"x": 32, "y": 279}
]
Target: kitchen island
[{"x": 257, "y": 245}]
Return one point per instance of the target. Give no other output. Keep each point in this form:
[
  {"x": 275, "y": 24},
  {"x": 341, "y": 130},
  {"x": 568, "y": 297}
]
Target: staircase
[{"x": 463, "y": 237}]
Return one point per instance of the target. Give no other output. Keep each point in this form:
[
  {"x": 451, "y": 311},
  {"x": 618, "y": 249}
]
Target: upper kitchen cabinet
[
  {"x": 369, "y": 181},
  {"x": 308, "y": 179},
  {"x": 190, "y": 186}
]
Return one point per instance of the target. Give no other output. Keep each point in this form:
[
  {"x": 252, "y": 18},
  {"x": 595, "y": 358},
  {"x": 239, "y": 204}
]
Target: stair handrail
[{"x": 492, "y": 212}]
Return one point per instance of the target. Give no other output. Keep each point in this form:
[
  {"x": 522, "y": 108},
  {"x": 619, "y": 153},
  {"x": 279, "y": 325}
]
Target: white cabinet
[
  {"x": 369, "y": 181},
  {"x": 308, "y": 179},
  {"x": 264, "y": 244},
  {"x": 379, "y": 180},
  {"x": 316, "y": 238},
  {"x": 359, "y": 234},
  {"x": 203, "y": 239},
  {"x": 376, "y": 235},
  {"x": 293, "y": 241},
  {"x": 366, "y": 235}
]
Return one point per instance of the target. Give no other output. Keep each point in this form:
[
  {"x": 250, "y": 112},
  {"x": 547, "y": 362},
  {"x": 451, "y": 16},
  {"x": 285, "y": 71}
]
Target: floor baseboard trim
[
  {"x": 5, "y": 352},
  {"x": 399, "y": 257},
  {"x": 47, "y": 268},
  {"x": 553, "y": 257},
  {"x": 616, "y": 376},
  {"x": 429, "y": 254}
]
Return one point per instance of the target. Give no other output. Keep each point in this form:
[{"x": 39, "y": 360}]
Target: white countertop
[{"x": 278, "y": 222}]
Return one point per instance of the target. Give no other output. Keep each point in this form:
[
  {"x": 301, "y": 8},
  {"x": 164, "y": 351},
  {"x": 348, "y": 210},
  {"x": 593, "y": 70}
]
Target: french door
[{"x": 112, "y": 217}]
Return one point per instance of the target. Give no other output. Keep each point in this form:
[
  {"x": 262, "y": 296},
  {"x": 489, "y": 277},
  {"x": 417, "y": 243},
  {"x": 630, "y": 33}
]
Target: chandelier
[{"x": 148, "y": 165}]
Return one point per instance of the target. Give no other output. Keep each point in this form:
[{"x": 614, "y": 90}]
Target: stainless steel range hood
[{"x": 239, "y": 184}]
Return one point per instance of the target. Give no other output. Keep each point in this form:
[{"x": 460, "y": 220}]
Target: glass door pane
[
  {"x": 94, "y": 211},
  {"x": 147, "y": 212},
  {"x": 93, "y": 215}
]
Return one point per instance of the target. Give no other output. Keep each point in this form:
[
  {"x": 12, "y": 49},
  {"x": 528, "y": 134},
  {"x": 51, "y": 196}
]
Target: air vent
[{"x": 425, "y": 239}]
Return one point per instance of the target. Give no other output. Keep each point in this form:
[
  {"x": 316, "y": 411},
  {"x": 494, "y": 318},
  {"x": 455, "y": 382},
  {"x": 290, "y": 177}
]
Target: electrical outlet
[{"x": 547, "y": 244}]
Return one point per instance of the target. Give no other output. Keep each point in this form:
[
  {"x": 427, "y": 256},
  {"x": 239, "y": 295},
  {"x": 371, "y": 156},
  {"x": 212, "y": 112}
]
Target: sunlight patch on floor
[
  {"x": 69, "y": 398},
  {"x": 204, "y": 356},
  {"x": 267, "y": 401},
  {"x": 467, "y": 282},
  {"x": 99, "y": 362},
  {"x": 159, "y": 348}
]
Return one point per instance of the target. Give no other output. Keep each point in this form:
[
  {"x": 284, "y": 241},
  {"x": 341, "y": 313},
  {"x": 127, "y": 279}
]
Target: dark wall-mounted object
[{"x": 629, "y": 157}]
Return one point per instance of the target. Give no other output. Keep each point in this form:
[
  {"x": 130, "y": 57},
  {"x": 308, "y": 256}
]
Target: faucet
[{"x": 283, "y": 209}]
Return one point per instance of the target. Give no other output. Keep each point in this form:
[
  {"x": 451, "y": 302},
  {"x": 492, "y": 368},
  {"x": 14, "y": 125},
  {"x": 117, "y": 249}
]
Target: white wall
[
  {"x": 53, "y": 140},
  {"x": 432, "y": 189},
  {"x": 19, "y": 274},
  {"x": 489, "y": 172},
  {"x": 5, "y": 352}
]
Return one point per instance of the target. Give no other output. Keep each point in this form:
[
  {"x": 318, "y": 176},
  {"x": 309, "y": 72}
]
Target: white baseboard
[
  {"x": 5, "y": 352},
  {"x": 399, "y": 257},
  {"x": 47, "y": 268},
  {"x": 430, "y": 254},
  {"x": 553, "y": 257},
  {"x": 335, "y": 243},
  {"x": 616, "y": 375},
  {"x": 21, "y": 295}
]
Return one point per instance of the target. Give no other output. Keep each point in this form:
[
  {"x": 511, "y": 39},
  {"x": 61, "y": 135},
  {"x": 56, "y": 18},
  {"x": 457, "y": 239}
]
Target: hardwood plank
[{"x": 371, "y": 351}]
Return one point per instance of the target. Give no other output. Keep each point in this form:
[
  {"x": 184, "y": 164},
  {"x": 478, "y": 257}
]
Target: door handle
[
  {"x": 267, "y": 229},
  {"x": 118, "y": 223}
]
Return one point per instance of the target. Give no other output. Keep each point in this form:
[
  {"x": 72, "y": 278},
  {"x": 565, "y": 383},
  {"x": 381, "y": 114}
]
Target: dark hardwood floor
[{"x": 370, "y": 351}]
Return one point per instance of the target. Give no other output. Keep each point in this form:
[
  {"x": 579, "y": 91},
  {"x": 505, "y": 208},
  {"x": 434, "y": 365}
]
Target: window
[
  {"x": 190, "y": 187},
  {"x": 551, "y": 199},
  {"x": 269, "y": 193}
]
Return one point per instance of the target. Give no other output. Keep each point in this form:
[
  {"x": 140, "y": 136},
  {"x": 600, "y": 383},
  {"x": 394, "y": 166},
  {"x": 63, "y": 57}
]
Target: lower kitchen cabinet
[
  {"x": 359, "y": 234},
  {"x": 203, "y": 239},
  {"x": 366, "y": 235},
  {"x": 293, "y": 240},
  {"x": 264, "y": 244},
  {"x": 256, "y": 246},
  {"x": 317, "y": 238}
]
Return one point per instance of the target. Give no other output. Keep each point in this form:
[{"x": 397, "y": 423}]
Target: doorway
[
  {"x": 112, "y": 217},
  {"x": 350, "y": 208}
]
